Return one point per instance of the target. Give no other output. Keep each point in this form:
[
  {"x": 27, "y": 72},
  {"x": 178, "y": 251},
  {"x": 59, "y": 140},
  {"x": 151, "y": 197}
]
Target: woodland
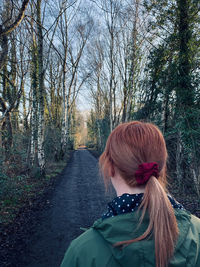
[{"x": 128, "y": 59}]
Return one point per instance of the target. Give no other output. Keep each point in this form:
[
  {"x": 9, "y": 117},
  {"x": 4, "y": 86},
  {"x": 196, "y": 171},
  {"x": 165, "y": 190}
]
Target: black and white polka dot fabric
[{"x": 130, "y": 203}]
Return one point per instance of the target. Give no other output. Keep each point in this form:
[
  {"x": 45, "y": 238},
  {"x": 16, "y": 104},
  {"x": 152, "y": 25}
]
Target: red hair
[{"x": 129, "y": 145}]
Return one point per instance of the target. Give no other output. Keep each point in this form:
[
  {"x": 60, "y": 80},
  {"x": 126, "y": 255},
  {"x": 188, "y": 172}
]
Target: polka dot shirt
[{"x": 130, "y": 203}]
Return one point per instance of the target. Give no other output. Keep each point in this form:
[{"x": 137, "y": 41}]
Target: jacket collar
[{"x": 130, "y": 203}]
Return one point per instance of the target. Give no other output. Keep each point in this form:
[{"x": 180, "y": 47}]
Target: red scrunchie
[{"x": 145, "y": 171}]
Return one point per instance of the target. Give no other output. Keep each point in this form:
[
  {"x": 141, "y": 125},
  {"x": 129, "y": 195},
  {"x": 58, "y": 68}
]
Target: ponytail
[{"x": 162, "y": 222}]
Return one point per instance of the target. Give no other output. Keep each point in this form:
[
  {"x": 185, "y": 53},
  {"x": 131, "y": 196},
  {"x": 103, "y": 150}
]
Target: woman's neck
[{"x": 121, "y": 187}]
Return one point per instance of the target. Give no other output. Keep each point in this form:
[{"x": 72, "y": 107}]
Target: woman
[{"x": 144, "y": 226}]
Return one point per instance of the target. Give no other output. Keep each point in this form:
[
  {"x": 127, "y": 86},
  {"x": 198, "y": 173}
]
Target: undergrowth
[{"x": 19, "y": 190}]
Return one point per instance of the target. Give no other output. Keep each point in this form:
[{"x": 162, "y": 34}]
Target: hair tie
[{"x": 145, "y": 171}]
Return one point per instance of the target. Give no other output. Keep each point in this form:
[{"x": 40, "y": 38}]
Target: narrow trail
[{"x": 78, "y": 200}]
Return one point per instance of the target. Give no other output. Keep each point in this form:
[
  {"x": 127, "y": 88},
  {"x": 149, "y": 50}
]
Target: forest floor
[
  {"x": 18, "y": 191},
  {"x": 41, "y": 234}
]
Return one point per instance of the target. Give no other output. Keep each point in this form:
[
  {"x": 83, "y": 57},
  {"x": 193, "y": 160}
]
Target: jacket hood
[{"x": 125, "y": 227}]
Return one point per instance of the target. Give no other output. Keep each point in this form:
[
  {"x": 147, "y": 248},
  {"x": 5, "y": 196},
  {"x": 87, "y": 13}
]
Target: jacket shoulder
[
  {"x": 88, "y": 249},
  {"x": 191, "y": 245},
  {"x": 195, "y": 223},
  {"x": 88, "y": 238}
]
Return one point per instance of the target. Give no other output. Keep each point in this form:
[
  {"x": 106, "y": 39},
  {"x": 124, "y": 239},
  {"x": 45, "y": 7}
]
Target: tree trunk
[
  {"x": 25, "y": 120},
  {"x": 64, "y": 110},
  {"x": 65, "y": 104},
  {"x": 185, "y": 94},
  {"x": 179, "y": 159},
  {"x": 41, "y": 122},
  {"x": 34, "y": 111},
  {"x": 7, "y": 136},
  {"x": 15, "y": 112},
  {"x": 111, "y": 79},
  {"x": 132, "y": 64},
  {"x": 125, "y": 87}
]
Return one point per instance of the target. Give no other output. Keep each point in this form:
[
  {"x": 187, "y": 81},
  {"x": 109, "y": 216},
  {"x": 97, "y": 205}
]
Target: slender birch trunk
[
  {"x": 6, "y": 126},
  {"x": 41, "y": 122},
  {"x": 6, "y": 132},
  {"x": 34, "y": 110},
  {"x": 179, "y": 159},
  {"x": 111, "y": 79},
  {"x": 34, "y": 92},
  {"x": 25, "y": 121},
  {"x": 65, "y": 104},
  {"x": 196, "y": 179},
  {"x": 64, "y": 108},
  {"x": 15, "y": 113},
  {"x": 99, "y": 143},
  {"x": 132, "y": 65},
  {"x": 125, "y": 87}
]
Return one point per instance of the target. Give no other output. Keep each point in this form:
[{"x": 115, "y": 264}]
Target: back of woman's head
[{"x": 128, "y": 146}]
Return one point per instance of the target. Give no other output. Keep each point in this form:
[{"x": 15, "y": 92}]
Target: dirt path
[{"x": 77, "y": 201}]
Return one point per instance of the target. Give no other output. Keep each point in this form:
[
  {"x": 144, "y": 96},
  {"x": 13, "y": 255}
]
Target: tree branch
[{"x": 18, "y": 20}]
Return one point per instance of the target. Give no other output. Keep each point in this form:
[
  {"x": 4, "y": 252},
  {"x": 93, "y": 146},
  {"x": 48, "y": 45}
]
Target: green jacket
[{"x": 94, "y": 247}]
